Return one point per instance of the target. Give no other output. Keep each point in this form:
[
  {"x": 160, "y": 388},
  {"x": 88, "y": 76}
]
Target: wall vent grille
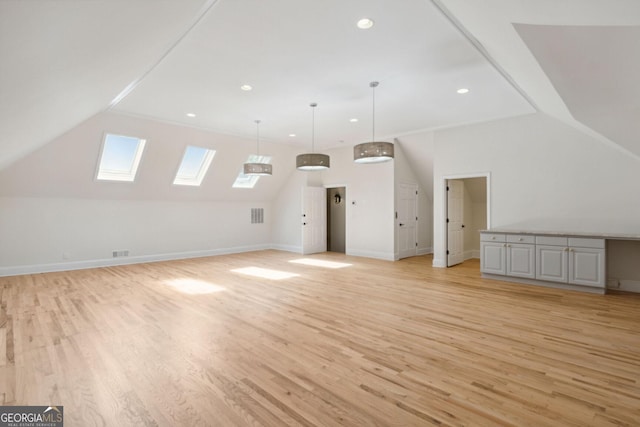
[
  {"x": 118, "y": 254},
  {"x": 257, "y": 215}
]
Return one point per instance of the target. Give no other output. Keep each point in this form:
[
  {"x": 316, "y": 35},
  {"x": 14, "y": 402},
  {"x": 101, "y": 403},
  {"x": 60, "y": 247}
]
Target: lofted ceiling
[{"x": 64, "y": 61}]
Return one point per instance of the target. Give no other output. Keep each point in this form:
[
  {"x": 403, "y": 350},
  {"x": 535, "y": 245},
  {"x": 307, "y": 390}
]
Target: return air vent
[
  {"x": 257, "y": 215},
  {"x": 118, "y": 254}
]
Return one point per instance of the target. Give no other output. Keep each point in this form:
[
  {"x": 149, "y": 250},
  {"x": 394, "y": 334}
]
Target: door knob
[{"x": 304, "y": 223}]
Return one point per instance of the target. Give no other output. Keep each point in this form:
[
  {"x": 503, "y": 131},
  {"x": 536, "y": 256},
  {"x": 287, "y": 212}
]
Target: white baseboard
[
  {"x": 629, "y": 285},
  {"x": 439, "y": 263},
  {"x": 373, "y": 254},
  {"x": 287, "y": 248},
  {"x": 471, "y": 254},
  {"x": 109, "y": 262},
  {"x": 425, "y": 251}
]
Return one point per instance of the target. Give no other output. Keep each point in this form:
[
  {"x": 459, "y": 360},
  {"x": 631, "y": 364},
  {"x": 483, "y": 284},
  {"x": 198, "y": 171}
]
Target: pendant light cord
[
  {"x": 373, "y": 86},
  {"x": 258, "y": 138},
  {"x": 313, "y": 126}
]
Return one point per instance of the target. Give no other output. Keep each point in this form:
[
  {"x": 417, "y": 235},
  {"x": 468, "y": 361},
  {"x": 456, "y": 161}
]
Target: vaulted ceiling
[{"x": 62, "y": 62}]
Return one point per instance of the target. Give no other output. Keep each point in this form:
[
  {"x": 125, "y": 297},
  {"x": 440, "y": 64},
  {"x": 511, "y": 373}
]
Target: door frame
[{"x": 445, "y": 208}]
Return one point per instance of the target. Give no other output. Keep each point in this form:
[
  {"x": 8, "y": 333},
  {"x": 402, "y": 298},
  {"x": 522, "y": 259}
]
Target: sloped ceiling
[
  {"x": 64, "y": 61},
  {"x": 599, "y": 85},
  {"x": 577, "y": 60}
]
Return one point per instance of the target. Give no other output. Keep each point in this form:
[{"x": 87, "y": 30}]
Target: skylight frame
[
  {"x": 195, "y": 181},
  {"x": 250, "y": 181},
  {"x": 103, "y": 174}
]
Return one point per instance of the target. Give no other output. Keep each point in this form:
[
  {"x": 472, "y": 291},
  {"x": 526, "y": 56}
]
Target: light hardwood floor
[{"x": 201, "y": 342}]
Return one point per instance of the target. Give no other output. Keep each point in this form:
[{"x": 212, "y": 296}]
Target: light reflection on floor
[
  {"x": 320, "y": 263},
  {"x": 265, "y": 273},
  {"x": 194, "y": 286}
]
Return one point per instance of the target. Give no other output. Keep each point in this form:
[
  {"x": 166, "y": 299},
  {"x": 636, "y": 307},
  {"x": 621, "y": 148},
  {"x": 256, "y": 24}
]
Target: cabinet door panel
[
  {"x": 521, "y": 260},
  {"x": 492, "y": 258},
  {"x": 586, "y": 267},
  {"x": 551, "y": 263}
]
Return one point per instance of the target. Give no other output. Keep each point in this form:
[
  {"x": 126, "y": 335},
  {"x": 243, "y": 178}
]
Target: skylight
[
  {"x": 120, "y": 157},
  {"x": 249, "y": 181},
  {"x": 194, "y": 166}
]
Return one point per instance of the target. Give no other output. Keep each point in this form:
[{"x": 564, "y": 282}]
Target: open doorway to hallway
[
  {"x": 466, "y": 216},
  {"x": 336, "y": 219}
]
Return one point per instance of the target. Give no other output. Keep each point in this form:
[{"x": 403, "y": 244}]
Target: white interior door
[
  {"x": 407, "y": 205},
  {"x": 314, "y": 220},
  {"x": 455, "y": 227}
]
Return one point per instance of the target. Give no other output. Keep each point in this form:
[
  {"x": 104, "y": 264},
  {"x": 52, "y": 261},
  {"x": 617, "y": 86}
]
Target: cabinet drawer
[
  {"x": 552, "y": 241},
  {"x": 492, "y": 237},
  {"x": 579, "y": 242},
  {"x": 521, "y": 238}
]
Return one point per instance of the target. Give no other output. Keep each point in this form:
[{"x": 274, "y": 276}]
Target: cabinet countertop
[{"x": 600, "y": 235}]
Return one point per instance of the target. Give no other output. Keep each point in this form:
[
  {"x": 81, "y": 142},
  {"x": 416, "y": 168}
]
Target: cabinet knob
[
  {"x": 571, "y": 250},
  {"x": 493, "y": 238},
  {"x": 566, "y": 249},
  {"x": 520, "y": 239}
]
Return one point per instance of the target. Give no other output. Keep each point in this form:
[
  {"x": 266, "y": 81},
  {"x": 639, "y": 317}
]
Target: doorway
[
  {"x": 466, "y": 216},
  {"x": 336, "y": 219}
]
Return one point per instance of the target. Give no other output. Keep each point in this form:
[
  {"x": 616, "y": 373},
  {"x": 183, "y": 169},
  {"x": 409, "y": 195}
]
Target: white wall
[
  {"x": 48, "y": 234},
  {"x": 545, "y": 175},
  {"x": 287, "y": 212},
  {"x": 66, "y": 167},
  {"x": 54, "y": 215},
  {"x": 370, "y": 204}
]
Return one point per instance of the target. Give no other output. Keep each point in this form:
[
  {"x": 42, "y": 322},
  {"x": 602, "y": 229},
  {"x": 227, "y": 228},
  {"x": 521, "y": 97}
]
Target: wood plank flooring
[{"x": 255, "y": 339}]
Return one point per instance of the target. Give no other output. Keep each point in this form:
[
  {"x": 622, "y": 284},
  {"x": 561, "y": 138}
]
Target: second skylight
[{"x": 194, "y": 166}]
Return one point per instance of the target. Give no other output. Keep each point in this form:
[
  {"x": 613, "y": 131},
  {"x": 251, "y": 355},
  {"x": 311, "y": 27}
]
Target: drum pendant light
[
  {"x": 258, "y": 168},
  {"x": 374, "y": 151},
  {"x": 312, "y": 161}
]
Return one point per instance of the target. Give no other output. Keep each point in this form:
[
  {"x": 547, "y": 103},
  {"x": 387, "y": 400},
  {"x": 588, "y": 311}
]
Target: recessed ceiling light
[
  {"x": 191, "y": 115},
  {"x": 365, "y": 23},
  {"x": 292, "y": 135},
  {"x": 353, "y": 120},
  {"x": 246, "y": 87},
  {"x": 463, "y": 90}
]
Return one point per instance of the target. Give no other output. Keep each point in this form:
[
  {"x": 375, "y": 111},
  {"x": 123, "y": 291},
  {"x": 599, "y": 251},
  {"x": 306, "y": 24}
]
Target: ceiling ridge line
[
  {"x": 131, "y": 86},
  {"x": 480, "y": 48}
]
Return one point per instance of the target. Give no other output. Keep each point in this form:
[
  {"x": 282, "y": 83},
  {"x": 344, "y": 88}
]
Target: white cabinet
[
  {"x": 511, "y": 255},
  {"x": 577, "y": 261},
  {"x": 492, "y": 253},
  {"x": 521, "y": 260},
  {"x": 586, "y": 262},
  {"x": 544, "y": 258}
]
